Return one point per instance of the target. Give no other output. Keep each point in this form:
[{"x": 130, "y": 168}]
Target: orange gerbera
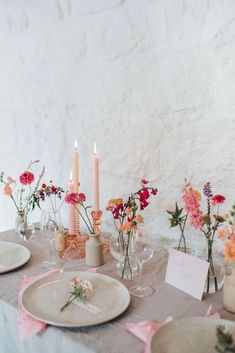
[
  {"x": 115, "y": 202},
  {"x": 139, "y": 218},
  {"x": 229, "y": 250},
  {"x": 125, "y": 227}
]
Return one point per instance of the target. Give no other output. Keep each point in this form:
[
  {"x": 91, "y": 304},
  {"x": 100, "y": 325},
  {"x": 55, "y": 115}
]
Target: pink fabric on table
[
  {"x": 27, "y": 325},
  {"x": 145, "y": 330}
]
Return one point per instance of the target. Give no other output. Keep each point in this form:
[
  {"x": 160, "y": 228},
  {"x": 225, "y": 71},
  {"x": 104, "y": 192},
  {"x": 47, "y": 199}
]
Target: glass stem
[
  {"x": 50, "y": 241},
  {"x": 140, "y": 273}
]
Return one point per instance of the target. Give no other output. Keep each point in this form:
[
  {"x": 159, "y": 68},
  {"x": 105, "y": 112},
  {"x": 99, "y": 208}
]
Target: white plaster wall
[{"x": 151, "y": 81}]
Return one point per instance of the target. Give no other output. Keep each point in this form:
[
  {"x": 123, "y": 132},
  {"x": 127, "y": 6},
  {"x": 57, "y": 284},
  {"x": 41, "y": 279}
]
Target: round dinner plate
[
  {"x": 43, "y": 299},
  {"x": 189, "y": 334},
  {"x": 12, "y": 256}
]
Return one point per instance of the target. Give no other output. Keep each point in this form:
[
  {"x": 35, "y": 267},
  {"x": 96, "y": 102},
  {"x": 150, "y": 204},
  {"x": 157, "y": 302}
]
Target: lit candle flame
[
  {"x": 71, "y": 176},
  {"x": 95, "y": 150},
  {"x": 76, "y": 144}
]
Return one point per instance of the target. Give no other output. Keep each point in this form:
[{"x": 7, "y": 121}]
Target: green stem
[{"x": 91, "y": 230}]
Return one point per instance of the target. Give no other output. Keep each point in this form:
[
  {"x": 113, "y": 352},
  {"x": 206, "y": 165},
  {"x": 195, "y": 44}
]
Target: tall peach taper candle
[
  {"x": 96, "y": 162},
  {"x": 71, "y": 207},
  {"x": 76, "y": 167}
]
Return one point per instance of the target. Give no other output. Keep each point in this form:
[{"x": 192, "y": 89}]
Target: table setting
[
  {"x": 127, "y": 284},
  {"x": 117, "y": 206}
]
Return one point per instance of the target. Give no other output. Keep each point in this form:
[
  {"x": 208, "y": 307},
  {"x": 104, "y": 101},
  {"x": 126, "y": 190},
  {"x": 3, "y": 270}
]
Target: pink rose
[{"x": 26, "y": 178}]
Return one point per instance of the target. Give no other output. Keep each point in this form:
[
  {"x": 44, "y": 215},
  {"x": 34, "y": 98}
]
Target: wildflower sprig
[{"x": 81, "y": 290}]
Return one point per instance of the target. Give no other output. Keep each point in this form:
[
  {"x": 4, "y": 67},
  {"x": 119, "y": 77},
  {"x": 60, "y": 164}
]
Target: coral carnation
[
  {"x": 7, "y": 190},
  {"x": 75, "y": 198}
]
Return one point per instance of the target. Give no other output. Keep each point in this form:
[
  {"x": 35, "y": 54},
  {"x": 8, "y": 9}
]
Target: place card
[
  {"x": 90, "y": 307},
  {"x": 187, "y": 273}
]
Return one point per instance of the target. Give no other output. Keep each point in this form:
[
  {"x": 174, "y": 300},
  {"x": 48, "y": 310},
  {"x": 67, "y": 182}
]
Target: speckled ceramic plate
[
  {"x": 189, "y": 335},
  {"x": 44, "y": 298},
  {"x": 12, "y": 256}
]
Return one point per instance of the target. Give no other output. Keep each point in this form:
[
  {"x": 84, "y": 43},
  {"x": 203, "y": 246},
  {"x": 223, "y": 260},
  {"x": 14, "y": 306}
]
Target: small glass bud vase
[
  {"x": 26, "y": 229},
  {"x": 94, "y": 251},
  {"x": 19, "y": 220},
  {"x": 123, "y": 252},
  {"x": 229, "y": 291}
]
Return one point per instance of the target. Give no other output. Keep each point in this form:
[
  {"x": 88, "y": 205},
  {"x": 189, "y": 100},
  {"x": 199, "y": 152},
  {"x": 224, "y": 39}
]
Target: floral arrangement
[
  {"x": 179, "y": 219},
  {"x": 227, "y": 233},
  {"x": 81, "y": 290},
  {"x": 127, "y": 217},
  {"x": 24, "y": 196},
  {"x": 76, "y": 199},
  {"x": 208, "y": 222},
  {"x": 224, "y": 340},
  {"x": 52, "y": 193}
]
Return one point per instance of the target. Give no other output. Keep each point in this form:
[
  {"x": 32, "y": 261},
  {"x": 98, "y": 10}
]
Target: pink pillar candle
[
  {"x": 71, "y": 208},
  {"x": 76, "y": 167},
  {"x": 96, "y": 162}
]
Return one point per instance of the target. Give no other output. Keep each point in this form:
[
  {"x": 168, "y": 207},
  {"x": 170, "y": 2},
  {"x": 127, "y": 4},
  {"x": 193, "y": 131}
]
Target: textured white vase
[{"x": 229, "y": 292}]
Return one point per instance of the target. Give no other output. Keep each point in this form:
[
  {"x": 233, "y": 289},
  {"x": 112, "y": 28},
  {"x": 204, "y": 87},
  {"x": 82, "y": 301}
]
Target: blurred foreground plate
[{"x": 189, "y": 335}]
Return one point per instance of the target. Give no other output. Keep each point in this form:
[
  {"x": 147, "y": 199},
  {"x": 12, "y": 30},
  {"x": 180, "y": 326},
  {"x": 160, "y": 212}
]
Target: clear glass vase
[
  {"x": 122, "y": 249},
  {"x": 19, "y": 220},
  {"x": 26, "y": 229},
  {"x": 216, "y": 272}
]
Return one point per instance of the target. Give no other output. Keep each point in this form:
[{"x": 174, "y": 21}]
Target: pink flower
[
  {"x": 144, "y": 181},
  {"x": 44, "y": 186},
  {"x": 217, "y": 199},
  {"x": 75, "y": 198},
  {"x": 192, "y": 206},
  {"x": 10, "y": 180},
  {"x": 229, "y": 250},
  {"x": 26, "y": 178}
]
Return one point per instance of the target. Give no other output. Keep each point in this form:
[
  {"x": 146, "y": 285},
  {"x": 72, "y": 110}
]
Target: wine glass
[
  {"x": 50, "y": 224},
  {"x": 143, "y": 251}
]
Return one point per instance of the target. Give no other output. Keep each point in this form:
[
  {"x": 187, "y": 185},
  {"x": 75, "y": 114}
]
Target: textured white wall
[{"x": 151, "y": 81}]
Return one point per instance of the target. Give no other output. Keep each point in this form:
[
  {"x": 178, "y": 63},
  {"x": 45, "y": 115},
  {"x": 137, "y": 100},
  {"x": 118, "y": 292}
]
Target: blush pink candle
[
  {"x": 76, "y": 167},
  {"x": 71, "y": 207},
  {"x": 96, "y": 186}
]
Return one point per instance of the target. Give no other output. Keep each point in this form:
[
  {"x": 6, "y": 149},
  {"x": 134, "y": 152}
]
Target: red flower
[
  {"x": 75, "y": 198},
  {"x": 143, "y": 204},
  {"x": 144, "y": 194},
  {"x": 144, "y": 181},
  {"x": 116, "y": 210},
  {"x": 154, "y": 191},
  {"x": 44, "y": 186},
  {"x": 217, "y": 199},
  {"x": 26, "y": 178},
  {"x": 53, "y": 189}
]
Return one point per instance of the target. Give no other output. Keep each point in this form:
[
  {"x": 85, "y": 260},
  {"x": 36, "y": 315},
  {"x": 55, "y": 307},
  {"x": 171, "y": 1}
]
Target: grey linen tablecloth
[{"x": 110, "y": 337}]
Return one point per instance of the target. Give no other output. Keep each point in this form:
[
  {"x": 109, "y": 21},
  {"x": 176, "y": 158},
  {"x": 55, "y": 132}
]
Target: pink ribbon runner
[
  {"x": 29, "y": 326},
  {"x": 145, "y": 330}
]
